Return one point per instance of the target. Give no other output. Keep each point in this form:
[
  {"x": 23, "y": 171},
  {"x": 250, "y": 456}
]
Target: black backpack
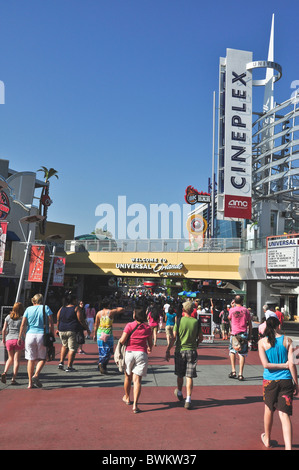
[{"x": 225, "y": 315}]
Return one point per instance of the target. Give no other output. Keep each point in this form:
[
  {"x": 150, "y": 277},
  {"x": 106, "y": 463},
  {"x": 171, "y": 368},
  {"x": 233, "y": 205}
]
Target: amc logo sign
[{"x": 237, "y": 207}]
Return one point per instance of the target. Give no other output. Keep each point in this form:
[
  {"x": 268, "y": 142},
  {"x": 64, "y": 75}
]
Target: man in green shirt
[{"x": 187, "y": 334}]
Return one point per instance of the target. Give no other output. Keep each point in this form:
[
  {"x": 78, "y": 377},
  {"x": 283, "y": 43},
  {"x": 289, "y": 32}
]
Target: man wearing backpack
[
  {"x": 224, "y": 322},
  {"x": 187, "y": 334},
  {"x": 241, "y": 329}
]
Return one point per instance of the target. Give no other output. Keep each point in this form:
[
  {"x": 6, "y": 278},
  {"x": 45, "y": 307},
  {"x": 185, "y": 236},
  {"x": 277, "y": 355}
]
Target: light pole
[{"x": 28, "y": 220}]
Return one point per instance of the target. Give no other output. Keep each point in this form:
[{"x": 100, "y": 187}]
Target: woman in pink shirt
[
  {"x": 153, "y": 321},
  {"x": 138, "y": 336}
]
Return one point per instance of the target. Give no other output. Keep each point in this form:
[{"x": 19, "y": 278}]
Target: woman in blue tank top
[{"x": 280, "y": 382}]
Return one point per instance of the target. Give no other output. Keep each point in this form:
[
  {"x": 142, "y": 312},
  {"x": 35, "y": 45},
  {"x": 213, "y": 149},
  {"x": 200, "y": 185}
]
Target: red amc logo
[{"x": 237, "y": 207}]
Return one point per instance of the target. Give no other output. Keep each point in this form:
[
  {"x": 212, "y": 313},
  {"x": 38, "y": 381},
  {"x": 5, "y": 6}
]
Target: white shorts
[
  {"x": 136, "y": 362},
  {"x": 34, "y": 347}
]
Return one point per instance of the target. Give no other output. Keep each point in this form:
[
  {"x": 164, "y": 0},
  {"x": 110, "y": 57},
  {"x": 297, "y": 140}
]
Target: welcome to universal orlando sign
[{"x": 152, "y": 266}]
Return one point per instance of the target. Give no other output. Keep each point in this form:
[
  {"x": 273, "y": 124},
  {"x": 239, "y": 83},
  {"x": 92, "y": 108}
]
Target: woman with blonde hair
[
  {"x": 35, "y": 350},
  {"x": 10, "y": 335}
]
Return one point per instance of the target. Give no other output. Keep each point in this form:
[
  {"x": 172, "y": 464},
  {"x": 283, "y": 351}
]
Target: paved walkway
[{"x": 83, "y": 410}]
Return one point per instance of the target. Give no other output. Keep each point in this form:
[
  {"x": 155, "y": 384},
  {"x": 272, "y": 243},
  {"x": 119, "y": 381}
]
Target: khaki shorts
[
  {"x": 169, "y": 331},
  {"x": 68, "y": 339},
  {"x": 136, "y": 362}
]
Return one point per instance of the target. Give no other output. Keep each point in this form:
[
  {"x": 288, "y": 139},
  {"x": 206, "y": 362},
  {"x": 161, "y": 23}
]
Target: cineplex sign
[
  {"x": 152, "y": 266},
  {"x": 238, "y": 132}
]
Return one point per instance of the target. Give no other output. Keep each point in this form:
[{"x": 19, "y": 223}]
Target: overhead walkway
[{"x": 215, "y": 259}]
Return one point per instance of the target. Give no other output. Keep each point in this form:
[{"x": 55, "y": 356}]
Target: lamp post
[{"x": 28, "y": 220}]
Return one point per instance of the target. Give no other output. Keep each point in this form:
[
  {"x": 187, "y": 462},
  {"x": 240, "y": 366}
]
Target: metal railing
[{"x": 155, "y": 246}]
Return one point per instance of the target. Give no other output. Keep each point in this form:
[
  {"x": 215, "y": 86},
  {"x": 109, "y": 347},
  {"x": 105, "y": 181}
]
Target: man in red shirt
[
  {"x": 279, "y": 315},
  {"x": 241, "y": 327}
]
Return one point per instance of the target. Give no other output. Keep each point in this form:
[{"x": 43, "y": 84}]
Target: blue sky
[{"x": 117, "y": 95}]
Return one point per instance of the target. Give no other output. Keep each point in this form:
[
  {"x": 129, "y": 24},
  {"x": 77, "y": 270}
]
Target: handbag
[
  {"x": 104, "y": 336},
  {"x": 48, "y": 338},
  {"x": 120, "y": 350},
  {"x": 237, "y": 342}
]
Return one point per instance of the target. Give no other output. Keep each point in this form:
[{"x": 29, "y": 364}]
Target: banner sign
[
  {"x": 206, "y": 327},
  {"x": 238, "y": 136},
  {"x": 36, "y": 263},
  {"x": 3, "y": 233},
  {"x": 58, "y": 271}
]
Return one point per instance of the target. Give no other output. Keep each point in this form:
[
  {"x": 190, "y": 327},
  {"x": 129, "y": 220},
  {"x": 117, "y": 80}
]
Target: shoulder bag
[{"x": 48, "y": 338}]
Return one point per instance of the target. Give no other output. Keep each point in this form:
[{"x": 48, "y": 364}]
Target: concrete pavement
[{"x": 83, "y": 410}]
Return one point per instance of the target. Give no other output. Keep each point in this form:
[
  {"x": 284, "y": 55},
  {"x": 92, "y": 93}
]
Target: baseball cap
[{"x": 269, "y": 314}]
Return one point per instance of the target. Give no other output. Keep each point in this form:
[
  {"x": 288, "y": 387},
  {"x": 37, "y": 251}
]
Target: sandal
[
  {"x": 136, "y": 410},
  {"x": 232, "y": 375},
  {"x": 127, "y": 402},
  {"x": 37, "y": 382},
  {"x": 240, "y": 377},
  {"x": 263, "y": 441}
]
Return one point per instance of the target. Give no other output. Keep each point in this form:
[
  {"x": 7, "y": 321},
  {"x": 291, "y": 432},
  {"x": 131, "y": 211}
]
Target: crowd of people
[{"x": 76, "y": 321}]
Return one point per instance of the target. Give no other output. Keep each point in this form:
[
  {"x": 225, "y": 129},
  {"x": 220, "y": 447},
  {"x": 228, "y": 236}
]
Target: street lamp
[{"x": 26, "y": 220}]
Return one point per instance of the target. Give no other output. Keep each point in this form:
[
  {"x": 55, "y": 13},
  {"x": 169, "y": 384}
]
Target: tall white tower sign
[{"x": 238, "y": 135}]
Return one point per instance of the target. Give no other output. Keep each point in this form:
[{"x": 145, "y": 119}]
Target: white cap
[{"x": 270, "y": 313}]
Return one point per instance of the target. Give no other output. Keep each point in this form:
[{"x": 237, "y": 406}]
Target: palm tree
[
  {"x": 48, "y": 173},
  {"x": 45, "y": 200}
]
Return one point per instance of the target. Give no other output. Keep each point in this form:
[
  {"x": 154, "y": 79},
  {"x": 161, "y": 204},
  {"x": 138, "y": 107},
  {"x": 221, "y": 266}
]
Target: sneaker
[
  {"x": 178, "y": 395},
  {"x": 60, "y": 366},
  {"x": 188, "y": 405},
  {"x": 70, "y": 369}
]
